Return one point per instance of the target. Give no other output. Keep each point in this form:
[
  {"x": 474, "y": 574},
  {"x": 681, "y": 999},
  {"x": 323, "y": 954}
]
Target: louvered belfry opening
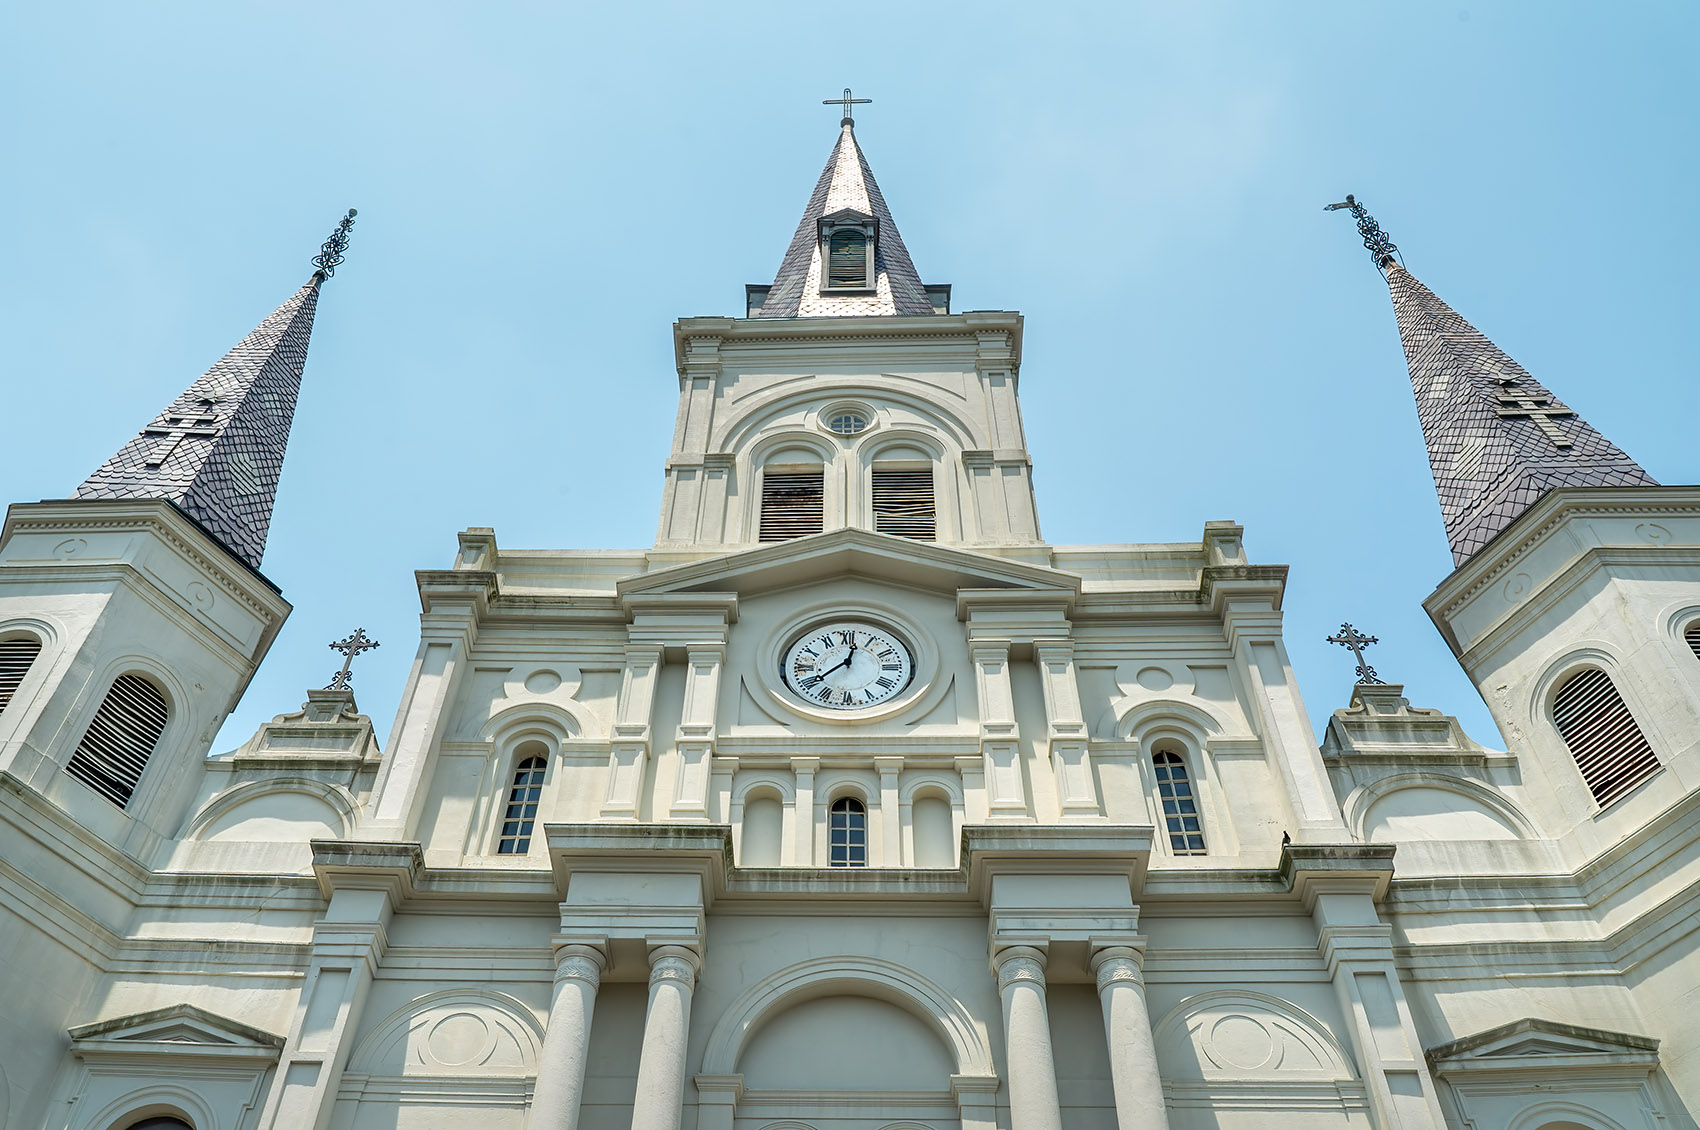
[
  {"x": 847, "y": 260},
  {"x": 1608, "y": 746},
  {"x": 119, "y": 741},
  {"x": 903, "y": 504},
  {"x": 16, "y": 656},
  {"x": 1692, "y": 635},
  {"x": 792, "y": 504}
]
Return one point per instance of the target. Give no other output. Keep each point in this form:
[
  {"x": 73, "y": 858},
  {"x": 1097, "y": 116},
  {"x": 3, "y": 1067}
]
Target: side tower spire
[
  {"x": 846, "y": 258},
  {"x": 1497, "y": 439},
  {"x": 216, "y": 452}
]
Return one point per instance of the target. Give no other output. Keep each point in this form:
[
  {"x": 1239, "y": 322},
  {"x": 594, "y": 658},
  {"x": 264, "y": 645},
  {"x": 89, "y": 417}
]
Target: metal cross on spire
[
  {"x": 1357, "y": 641},
  {"x": 846, "y": 102},
  {"x": 1381, "y": 249},
  {"x": 330, "y": 255},
  {"x": 350, "y": 647}
]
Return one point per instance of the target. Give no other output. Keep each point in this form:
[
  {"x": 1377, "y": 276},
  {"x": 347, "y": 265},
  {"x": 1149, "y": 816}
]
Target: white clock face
[{"x": 847, "y": 666}]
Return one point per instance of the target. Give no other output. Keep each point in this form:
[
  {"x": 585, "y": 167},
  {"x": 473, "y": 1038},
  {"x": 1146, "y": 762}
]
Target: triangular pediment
[
  {"x": 846, "y": 215},
  {"x": 179, "y": 1025},
  {"x": 1535, "y": 1043},
  {"x": 851, "y": 552}
]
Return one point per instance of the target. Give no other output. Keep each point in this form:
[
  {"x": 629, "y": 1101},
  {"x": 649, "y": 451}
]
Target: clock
[{"x": 847, "y": 666}]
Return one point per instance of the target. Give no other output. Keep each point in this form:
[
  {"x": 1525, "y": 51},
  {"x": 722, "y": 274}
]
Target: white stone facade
[{"x": 1392, "y": 928}]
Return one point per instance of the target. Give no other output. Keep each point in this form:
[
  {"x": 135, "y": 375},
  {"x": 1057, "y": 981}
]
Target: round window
[{"x": 847, "y": 423}]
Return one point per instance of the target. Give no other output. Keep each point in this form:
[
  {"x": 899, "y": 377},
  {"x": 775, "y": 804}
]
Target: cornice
[
  {"x": 1514, "y": 543},
  {"x": 177, "y": 530}
]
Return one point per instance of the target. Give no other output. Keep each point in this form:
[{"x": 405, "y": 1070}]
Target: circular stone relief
[
  {"x": 459, "y": 1038},
  {"x": 543, "y": 681},
  {"x": 1516, "y": 588},
  {"x": 1155, "y": 678},
  {"x": 1241, "y": 1042}
]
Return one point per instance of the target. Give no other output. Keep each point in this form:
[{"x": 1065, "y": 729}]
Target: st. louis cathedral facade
[{"x": 852, "y": 803}]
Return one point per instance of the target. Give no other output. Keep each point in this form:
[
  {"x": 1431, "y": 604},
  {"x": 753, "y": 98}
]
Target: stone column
[
  {"x": 666, "y": 1028},
  {"x": 566, "y": 1043},
  {"x": 1031, "y": 1069},
  {"x": 1127, "y": 1029}
]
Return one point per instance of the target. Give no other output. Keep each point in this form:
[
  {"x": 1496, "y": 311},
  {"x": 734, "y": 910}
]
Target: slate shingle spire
[
  {"x": 216, "y": 452},
  {"x": 1497, "y": 438},
  {"x": 846, "y": 191}
]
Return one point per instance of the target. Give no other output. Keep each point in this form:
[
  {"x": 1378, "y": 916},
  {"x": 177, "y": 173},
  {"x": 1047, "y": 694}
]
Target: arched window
[
  {"x": 1608, "y": 746},
  {"x": 521, "y": 816},
  {"x": 847, "y": 830},
  {"x": 163, "y": 1122},
  {"x": 903, "y": 502},
  {"x": 847, "y": 260},
  {"x": 1180, "y": 807},
  {"x": 1692, "y": 635},
  {"x": 116, "y": 747},
  {"x": 793, "y": 503},
  {"x": 16, "y": 656}
]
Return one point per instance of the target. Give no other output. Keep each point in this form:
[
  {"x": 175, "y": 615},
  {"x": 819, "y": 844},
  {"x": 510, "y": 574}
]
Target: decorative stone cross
[
  {"x": 176, "y": 427},
  {"x": 349, "y": 647},
  {"x": 1357, "y": 641},
  {"x": 1536, "y": 407},
  {"x": 846, "y": 102}
]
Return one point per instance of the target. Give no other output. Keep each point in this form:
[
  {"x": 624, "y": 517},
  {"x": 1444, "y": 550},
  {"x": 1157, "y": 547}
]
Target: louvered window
[
  {"x": 521, "y": 816},
  {"x": 15, "y": 659},
  {"x": 791, "y": 504},
  {"x": 848, "y": 833},
  {"x": 1692, "y": 635},
  {"x": 1180, "y": 807},
  {"x": 1608, "y": 746},
  {"x": 903, "y": 503},
  {"x": 847, "y": 260},
  {"x": 119, "y": 741}
]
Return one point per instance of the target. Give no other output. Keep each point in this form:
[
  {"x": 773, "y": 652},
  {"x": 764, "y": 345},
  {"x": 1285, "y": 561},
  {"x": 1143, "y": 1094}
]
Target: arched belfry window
[
  {"x": 521, "y": 816},
  {"x": 847, "y": 260},
  {"x": 1180, "y": 806},
  {"x": 903, "y": 503},
  {"x": 847, "y": 833},
  {"x": 1608, "y": 746},
  {"x": 1692, "y": 635},
  {"x": 16, "y": 657},
  {"x": 793, "y": 503},
  {"x": 164, "y": 1122},
  {"x": 116, "y": 746}
]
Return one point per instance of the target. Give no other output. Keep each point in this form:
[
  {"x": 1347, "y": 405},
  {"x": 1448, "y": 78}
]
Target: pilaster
[
  {"x": 1339, "y": 885},
  {"x": 697, "y": 728},
  {"x": 1077, "y": 792},
  {"x": 628, "y": 757},
  {"x": 365, "y": 883}
]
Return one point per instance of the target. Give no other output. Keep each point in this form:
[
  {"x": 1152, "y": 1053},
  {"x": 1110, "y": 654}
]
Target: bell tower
[
  {"x": 1575, "y": 604},
  {"x": 849, "y": 396},
  {"x": 133, "y": 614}
]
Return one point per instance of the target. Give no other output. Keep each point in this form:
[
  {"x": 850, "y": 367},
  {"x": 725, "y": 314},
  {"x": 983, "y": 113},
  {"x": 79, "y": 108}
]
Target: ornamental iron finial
[
  {"x": 330, "y": 255},
  {"x": 1352, "y": 638},
  {"x": 1381, "y": 249},
  {"x": 350, "y": 647},
  {"x": 846, "y": 102}
]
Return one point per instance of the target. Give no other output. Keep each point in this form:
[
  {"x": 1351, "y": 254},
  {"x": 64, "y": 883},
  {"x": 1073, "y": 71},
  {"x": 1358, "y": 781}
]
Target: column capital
[
  {"x": 1019, "y": 963},
  {"x": 575, "y": 962},
  {"x": 674, "y": 963},
  {"x": 1119, "y": 965}
]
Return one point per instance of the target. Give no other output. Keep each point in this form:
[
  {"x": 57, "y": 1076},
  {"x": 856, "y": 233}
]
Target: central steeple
[{"x": 846, "y": 258}]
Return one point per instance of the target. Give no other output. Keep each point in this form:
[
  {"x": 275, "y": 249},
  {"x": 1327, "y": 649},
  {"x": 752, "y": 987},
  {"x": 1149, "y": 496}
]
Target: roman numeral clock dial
[{"x": 847, "y": 666}]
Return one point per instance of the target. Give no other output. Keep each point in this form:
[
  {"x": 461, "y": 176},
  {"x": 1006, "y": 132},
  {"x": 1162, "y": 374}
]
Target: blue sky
[{"x": 544, "y": 188}]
